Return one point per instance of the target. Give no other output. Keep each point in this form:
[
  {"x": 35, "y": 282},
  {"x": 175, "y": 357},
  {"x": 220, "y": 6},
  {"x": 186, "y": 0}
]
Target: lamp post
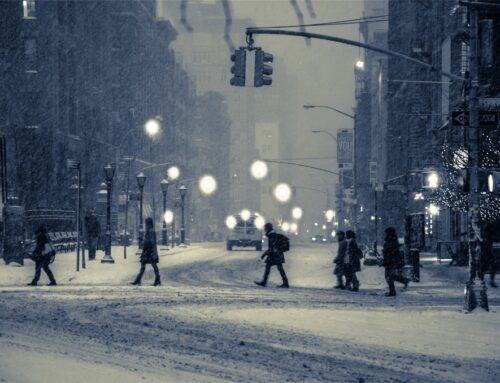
[
  {"x": 182, "y": 191},
  {"x": 109, "y": 172},
  {"x": 164, "y": 189},
  {"x": 152, "y": 128},
  {"x": 141, "y": 181}
]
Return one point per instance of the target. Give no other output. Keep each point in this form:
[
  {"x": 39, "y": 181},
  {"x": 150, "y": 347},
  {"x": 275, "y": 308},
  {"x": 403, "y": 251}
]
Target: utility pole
[{"x": 472, "y": 136}]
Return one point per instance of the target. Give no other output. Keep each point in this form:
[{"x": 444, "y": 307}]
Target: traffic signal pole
[{"x": 472, "y": 84}]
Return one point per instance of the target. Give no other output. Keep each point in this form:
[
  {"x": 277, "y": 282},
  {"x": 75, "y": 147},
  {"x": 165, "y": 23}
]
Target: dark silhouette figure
[
  {"x": 274, "y": 256},
  {"x": 149, "y": 254},
  {"x": 338, "y": 271},
  {"x": 93, "y": 230},
  {"x": 41, "y": 257},
  {"x": 352, "y": 261},
  {"x": 393, "y": 261},
  {"x": 488, "y": 258}
]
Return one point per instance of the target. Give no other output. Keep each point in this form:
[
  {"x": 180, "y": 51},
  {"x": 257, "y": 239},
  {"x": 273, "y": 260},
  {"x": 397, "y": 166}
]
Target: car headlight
[
  {"x": 314, "y": 239},
  {"x": 324, "y": 240}
]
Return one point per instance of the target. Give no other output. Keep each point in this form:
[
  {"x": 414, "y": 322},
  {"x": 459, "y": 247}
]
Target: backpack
[{"x": 283, "y": 243}]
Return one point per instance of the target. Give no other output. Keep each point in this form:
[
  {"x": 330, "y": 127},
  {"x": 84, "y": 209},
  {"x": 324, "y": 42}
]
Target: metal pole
[
  {"x": 107, "y": 256},
  {"x": 77, "y": 214},
  {"x": 153, "y": 204},
  {"x": 141, "y": 226},
  {"x": 375, "y": 243},
  {"x": 164, "y": 239},
  {"x": 183, "y": 227},
  {"x": 127, "y": 189},
  {"x": 474, "y": 198}
]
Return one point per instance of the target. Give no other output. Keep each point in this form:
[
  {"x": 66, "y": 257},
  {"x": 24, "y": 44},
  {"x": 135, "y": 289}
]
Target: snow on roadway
[{"x": 208, "y": 322}]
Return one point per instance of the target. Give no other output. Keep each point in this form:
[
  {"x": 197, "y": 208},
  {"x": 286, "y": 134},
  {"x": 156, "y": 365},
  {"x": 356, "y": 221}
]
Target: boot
[
  {"x": 260, "y": 283},
  {"x": 284, "y": 284},
  {"x": 390, "y": 294},
  {"x": 157, "y": 282},
  {"x": 52, "y": 283},
  {"x": 137, "y": 282},
  {"x": 33, "y": 283},
  {"x": 340, "y": 286}
]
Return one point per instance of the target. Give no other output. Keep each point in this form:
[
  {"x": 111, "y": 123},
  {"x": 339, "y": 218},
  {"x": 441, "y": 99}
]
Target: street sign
[
  {"x": 486, "y": 118},
  {"x": 345, "y": 146}
]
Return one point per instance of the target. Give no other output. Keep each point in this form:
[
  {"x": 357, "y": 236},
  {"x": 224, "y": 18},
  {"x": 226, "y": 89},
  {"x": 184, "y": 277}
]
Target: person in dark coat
[
  {"x": 93, "y": 230},
  {"x": 42, "y": 260},
  {"x": 149, "y": 254},
  {"x": 274, "y": 257},
  {"x": 352, "y": 262},
  {"x": 392, "y": 261},
  {"x": 488, "y": 261},
  {"x": 338, "y": 271}
]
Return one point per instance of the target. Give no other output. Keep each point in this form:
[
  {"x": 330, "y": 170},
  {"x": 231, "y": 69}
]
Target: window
[{"x": 29, "y": 9}]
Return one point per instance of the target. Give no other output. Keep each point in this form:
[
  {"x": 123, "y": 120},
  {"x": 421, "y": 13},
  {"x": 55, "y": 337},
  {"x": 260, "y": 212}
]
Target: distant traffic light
[
  {"x": 430, "y": 180},
  {"x": 239, "y": 67},
  {"x": 262, "y": 71}
]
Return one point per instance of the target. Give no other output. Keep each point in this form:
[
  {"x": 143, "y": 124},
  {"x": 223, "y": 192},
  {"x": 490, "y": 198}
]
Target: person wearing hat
[{"x": 274, "y": 256}]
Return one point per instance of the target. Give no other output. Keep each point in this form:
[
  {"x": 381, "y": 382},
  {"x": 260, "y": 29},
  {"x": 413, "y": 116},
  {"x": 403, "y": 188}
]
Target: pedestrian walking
[
  {"x": 149, "y": 254},
  {"x": 43, "y": 255},
  {"x": 488, "y": 258},
  {"x": 338, "y": 261},
  {"x": 277, "y": 245},
  {"x": 352, "y": 261},
  {"x": 393, "y": 261},
  {"x": 93, "y": 230}
]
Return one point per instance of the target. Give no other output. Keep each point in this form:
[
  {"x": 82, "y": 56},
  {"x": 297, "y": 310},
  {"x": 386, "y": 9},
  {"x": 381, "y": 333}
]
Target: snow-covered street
[{"x": 208, "y": 322}]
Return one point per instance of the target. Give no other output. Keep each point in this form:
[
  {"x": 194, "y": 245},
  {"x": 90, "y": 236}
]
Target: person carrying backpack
[
  {"x": 278, "y": 244},
  {"x": 352, "y": 261},
  {"x": 43, "y": 255},
  {"x": 393, "y": 262}
]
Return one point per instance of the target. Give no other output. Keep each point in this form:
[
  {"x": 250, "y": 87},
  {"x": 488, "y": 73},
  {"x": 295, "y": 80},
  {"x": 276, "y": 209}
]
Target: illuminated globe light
[
  {"x": 297, "y": 212},
  {"x": 334, "y": 234},
  {"x": 168, "y": 216},
  {"x": 245, "y": 214},
  {"x": 152, "y": 127},
  {"x": 259, "y": 222},
  {"x": 231, "y": 222},
  {"x": 433, "y": 209},
  {"x": 323, "y": 227},
  {"x": 173, "y": 172},
  {"x": 285, "y": 226},
  {"x": 258, "y": 169},
  {"x": 282, "y": 192},
  {"x": 207, "y": 184},
  {"x": 330, "y": 214},
  {"x": 315, "y": 223},
  {"x": 293, "y": 227}
]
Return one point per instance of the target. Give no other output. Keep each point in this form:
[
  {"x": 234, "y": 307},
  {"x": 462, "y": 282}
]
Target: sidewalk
[{"x": 96, "y": 273}]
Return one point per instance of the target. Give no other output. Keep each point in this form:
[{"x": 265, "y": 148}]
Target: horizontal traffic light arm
[{"x": 263, "y": 31}]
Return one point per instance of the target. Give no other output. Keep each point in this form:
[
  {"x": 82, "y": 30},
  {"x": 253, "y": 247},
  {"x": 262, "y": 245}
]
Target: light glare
[
  {"x": 207, "y": 184},
  {"x": 231, "y": 222},
  {"x": 297, "y": 212},
  {"x": 173, "y": 172},
  {"x": 168, "y": 216},
  {"x": 258, "y": 169},
  {"x": 282, "y": 192}
]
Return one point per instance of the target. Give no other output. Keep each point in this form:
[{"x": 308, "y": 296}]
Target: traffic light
[
  {"x": 430, "y": 180},
  {"x": 262, "y": 71},
  {"x": 239, "y": 67}
]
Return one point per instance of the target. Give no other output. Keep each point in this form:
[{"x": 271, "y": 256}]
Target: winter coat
[
  {"x": 273, "y": 254},
  {"x": 353, "y": 256},
  {"x": 41, "y": 240},
  {"x": 339, "y": 259},
  {"x": 149, "y": 250},
  {"x": 391, "y": 255},
  {"x": 92, "y": 225}
]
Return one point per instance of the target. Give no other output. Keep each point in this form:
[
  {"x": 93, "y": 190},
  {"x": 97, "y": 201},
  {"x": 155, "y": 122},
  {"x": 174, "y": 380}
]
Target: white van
[{"x": 244, "y": 234}]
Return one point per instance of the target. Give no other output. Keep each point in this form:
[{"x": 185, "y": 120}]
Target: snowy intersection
[{"x": 208, "y": 323}]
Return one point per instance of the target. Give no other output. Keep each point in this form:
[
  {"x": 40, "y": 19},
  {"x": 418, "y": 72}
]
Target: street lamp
[
  {"x": 330, "y": 215},
  {"x": 164, "y": 189},
  {"x": 182, "y": 191},
  {"x": 109, "y": 172},
  {"x": 173, "y": 172},
  {"x": 141, "y": 181},
  {"x": 168, "y": 218},
  {"x": 258, "y": 169},
  {"x": 152, "y": 127},
  {"x": 297, "y": 212},
  {"x": 207, "y": 184},
  {"x": 282, "y": 192}
]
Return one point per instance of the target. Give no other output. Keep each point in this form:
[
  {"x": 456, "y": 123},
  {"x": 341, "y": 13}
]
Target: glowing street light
[
  {"x": 323, "y": 227},
  {"x": 282, "y": 192},
  {"x": 168, "y": 217},
  {"x": 285, "y": 226},
  {"x": 293, "y": 227},
  {"x": 259, "y": 222},
  {"x": 329, "y": 215},
  {"x": 360, "y": 64},
  {"x": 152, "y": 127},
  {"x": 258, "y": 169},
  {"x": 173, "y": 172},
  {"x": 245, "y": 214},
  {"x": 333, "y": 234},
  {"x": 297, "y": 212},
  {"x": 207, "y": 184},
  {"x": 231, "y": 222}
]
